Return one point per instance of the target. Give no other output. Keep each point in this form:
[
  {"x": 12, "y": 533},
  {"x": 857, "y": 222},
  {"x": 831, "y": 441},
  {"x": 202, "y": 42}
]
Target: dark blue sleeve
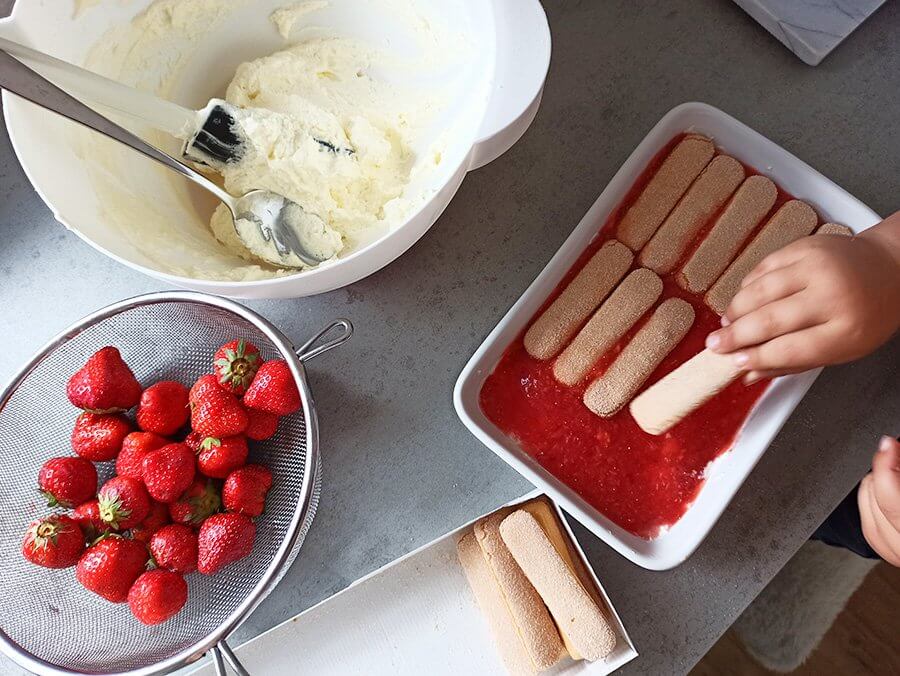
[{"x": 843, "y": 528}]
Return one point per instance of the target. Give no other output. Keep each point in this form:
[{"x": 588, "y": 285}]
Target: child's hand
[
  {"x": 825, "y": 299},
  {"x": 879, "y": 502}
]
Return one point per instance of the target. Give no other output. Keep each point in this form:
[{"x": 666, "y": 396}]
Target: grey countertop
[{"x": 400, "y": 469}]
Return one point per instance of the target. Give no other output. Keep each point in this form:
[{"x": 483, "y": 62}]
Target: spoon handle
[
  {"x": 158, "y": 113},
  {"x": 22, "y": 80}
]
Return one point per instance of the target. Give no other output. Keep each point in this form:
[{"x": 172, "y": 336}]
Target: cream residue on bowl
[{"x": 322, "y": 81}]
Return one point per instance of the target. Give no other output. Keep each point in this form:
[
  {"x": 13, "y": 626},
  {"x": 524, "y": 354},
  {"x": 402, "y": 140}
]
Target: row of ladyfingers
[
  {"x": 527, "y": 585},
  {"x": 598, "y": 306}
]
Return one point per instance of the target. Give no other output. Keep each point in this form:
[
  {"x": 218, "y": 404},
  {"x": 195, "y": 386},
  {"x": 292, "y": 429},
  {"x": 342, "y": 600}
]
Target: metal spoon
[{"x": 286, "y": 231}]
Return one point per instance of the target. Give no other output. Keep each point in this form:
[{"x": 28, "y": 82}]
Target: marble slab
[{"x": 810, "y": 28}]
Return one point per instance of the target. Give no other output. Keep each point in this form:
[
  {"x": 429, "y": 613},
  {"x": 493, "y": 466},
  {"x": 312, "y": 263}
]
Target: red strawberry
[
  {"x": 193, "y": 441},
  {"x": 99, "y": 437},
  {"x": 87, "y": 515},
  {"x": 274, "y": 389},
  {"x": 157, "y": 595},
  {"x": 53, "y": 542},
  {"x": 104, "y": 384},
  {"x": 262, "y": 425},
  {"x": 199, "y": 502},
  {"x": 111, "y": 566},
  {"x": 218, "y": 457},
  {"x": 163, "y": 408},
  {"x": 123, "y": 502},
  {"x": 134, "y": 448},
  {"x": 156, "y": 519},
  {"x": 168, "y": 471},
  {"x": 204, "y": 385},
  {"x": 67, "y": 482},
  {"x": 235, "y": 364},
  {"x": 223, "y": 539},
  {"x": 217, "y": 413},
  {"x": 245, "y": 490},
  {"x": 174, "y": 547}
]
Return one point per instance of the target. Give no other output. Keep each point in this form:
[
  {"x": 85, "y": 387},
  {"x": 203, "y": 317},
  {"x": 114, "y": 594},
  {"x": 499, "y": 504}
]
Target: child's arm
[
  {"x": 879, "y": 502},
  {"x": 825, "y": 299}
]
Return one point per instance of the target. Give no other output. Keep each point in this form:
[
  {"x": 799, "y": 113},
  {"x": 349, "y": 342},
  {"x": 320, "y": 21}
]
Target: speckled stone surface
[
  {"x": 400, "y": 469},
  {"x": 810, "y": 28}
]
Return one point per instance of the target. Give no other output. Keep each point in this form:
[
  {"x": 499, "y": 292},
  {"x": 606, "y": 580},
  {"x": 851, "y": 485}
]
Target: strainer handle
[
  {"x": 222, "y": 650},
  {"x": 309, "y": 349}
]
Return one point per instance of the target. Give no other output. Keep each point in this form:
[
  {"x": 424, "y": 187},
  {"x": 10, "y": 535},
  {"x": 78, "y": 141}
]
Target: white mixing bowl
[{"x": 495, "y": 94}]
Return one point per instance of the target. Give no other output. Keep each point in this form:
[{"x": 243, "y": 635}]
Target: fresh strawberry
[
  {"x": 157, "y": 595},
  {"x": 99, "y": 437},
  {"x": 223, "y": 539},
  {"x": 218, "y": 457},
  {"x": 124, "y": 502},
  {"x": 262, "y": 425},
  {"x": 163, "y": 408},
  {"x": 193, "y": 441},
  {"x": 174, "y": 547},
  {"x": 168, "y": 471},
  {"x": 245, "y": 490},
  {"x": 67, "y": 482},
  {"x": 235, "y": 364},
  {"x": 274, "y": 389},
  {"x": 156, "y": 519},
  {"x": 199, "y": 502},
  {"x": 104, "y": 384},
  {"x": 204, "y": 385},
  {"x": 111, "y": 566},
  {"x": 53, "y": 542},
  {"x": 217, "y": 413},
  {"x": 135, "y": 447},
  {"x": 87, "y": 515}
]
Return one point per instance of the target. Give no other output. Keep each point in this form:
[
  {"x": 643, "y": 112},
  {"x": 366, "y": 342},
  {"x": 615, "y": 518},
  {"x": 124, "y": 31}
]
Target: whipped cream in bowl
[{"x": 367, "y": 115}]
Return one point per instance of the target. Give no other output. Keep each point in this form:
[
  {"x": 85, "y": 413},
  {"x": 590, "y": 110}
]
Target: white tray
[
  {"x": 414, "y": 616},
  {"x": 726, "y": 474}
]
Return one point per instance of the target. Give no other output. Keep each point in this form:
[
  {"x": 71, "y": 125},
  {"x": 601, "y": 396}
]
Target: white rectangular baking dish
[
  {"x": 415, "y": 615},
  {"x": 726, "y": 474}
]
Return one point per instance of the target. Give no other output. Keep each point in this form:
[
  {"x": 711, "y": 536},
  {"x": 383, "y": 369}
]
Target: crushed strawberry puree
[{"x": 641, "y": 482}]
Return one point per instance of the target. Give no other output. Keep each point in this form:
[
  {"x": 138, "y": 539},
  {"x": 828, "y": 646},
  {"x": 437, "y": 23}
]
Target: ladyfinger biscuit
[
  {"x": 662, "y": 405},
  {"x": 493, "y": 606},
  {"x": 659, "y": 336},
  {"x": 534, "y": 624},
  {"x": 795, "y": 219},
  {"x": 663, "y": 191},
  {"x": 752, "y": 201},
  {"x": 705, "y": 197},
  {"x": 559, "y": 322},
  {"x": 834, "y": 229},
  {"x": 569, "y": 603},
  {"x": 632, "y": 298}
]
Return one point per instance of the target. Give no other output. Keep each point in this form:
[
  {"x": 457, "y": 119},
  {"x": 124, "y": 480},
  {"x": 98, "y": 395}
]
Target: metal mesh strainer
[{"x": 50, "y": 624}]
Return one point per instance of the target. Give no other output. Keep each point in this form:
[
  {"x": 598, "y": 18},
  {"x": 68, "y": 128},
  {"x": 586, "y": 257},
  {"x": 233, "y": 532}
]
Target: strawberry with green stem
[
  {"x": 123, "y": 502},
  {"x": 235, "y": 364},
  {"x": 67, "y": 482},
  {"x": 200, "y": 501},
  {"x": 219, "y": 457},
  {"x": 53, "y": 542}
]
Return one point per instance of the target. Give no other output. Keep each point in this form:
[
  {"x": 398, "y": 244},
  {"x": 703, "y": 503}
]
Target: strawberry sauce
[{"x": 639, "y": 481}]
